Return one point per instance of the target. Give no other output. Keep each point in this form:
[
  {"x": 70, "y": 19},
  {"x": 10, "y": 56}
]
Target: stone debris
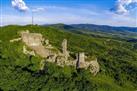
[
  {"x": 15, "y": 40},
  {"x": 42, "y": 47},
  {"x": 25, "y": 51},
  {"x": 42, "y": 64},
  {"x": 94, "y": 67},
  {"x": 46, "y": 42}
]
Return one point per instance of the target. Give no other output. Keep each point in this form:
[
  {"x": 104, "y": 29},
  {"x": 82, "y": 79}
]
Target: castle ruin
[{"x": 35, "y": 42}]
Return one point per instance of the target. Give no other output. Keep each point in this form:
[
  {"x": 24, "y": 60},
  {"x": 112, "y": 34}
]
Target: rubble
[{"x": 15, "y": 40}]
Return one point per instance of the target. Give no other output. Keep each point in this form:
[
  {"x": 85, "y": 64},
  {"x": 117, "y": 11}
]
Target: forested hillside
[
  {"x": 97, "y": 30},
  {"x": 117, "y": 57}
]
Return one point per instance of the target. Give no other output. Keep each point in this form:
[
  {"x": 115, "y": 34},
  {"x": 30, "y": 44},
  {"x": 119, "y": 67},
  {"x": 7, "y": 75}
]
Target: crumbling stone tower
[
  {"x": 64, "y": 49},
  {"x": 80, "y": 60}
]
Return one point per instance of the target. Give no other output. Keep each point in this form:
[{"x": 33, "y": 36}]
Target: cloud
[
  {"x": 70, "y": 15},
  {"x": 20, "y": 5},
  {"x": 38, "y": 9},
  {"x": 124, "y": 6}
]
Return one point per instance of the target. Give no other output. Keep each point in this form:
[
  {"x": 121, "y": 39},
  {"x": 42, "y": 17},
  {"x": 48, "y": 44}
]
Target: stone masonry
[{"x": 64, "y": 49}]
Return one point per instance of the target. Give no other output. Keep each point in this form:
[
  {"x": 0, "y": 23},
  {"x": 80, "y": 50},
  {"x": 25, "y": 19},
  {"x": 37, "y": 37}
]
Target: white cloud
[
  {"x": 70, "y": 15},
  {"x": 124, "y": 6},
  {"x": 19, "y": 5},
  {"x": 38, "y": 9}
]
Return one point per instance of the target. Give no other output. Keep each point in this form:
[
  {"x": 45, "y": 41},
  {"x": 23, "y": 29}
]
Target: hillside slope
[
  {"x": 20, "y": 72},
  {"x": 105, "y": 28},
  {"x": 99, "y": 30}
]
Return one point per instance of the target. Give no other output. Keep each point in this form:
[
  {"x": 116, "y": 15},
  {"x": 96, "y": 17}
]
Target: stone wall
[
  {"x": 32, "y": 39},
  {"x": 80, "y": 60},
  {"x": 64, "y": 49},
  {"x": 94, "y": 67}
]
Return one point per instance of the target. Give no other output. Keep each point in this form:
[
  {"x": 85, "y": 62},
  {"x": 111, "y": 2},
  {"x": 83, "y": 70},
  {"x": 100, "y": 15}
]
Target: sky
[{"x": 101, "y": 12}]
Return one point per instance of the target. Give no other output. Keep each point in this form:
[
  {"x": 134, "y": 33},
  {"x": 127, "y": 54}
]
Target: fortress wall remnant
[
  {"x": 32, "y": 39},
  {"x": 94, "y": 67},
  {"x": 81, "y": 60},
  {"x": 64, "y": 46},
  {"x": 64, "y": 49}
]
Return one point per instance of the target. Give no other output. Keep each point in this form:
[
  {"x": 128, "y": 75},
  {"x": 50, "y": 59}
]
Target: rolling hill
[
  {"x": 103, "y": 30},
  {"x": 117, "y": 57}
]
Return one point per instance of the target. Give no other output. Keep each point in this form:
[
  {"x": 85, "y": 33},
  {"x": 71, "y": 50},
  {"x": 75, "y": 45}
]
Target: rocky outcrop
[{"x": 40, "y": 46}]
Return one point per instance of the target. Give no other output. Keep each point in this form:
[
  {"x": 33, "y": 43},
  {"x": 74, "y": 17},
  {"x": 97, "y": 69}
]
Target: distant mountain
[
  {"x": 99, "y": 30},
  {"x": 104, "y": 28},
  {"x": 93, "y": 27},
  {"x": 63, "y": 26}
]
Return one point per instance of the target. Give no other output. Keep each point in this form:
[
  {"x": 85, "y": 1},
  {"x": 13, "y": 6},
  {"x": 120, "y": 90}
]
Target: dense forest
[{"x": 117, "y": 57}]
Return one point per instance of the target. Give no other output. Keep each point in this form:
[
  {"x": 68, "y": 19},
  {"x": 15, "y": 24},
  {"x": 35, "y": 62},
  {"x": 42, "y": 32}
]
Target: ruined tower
[
  {"x": 64, "y": 49},
  {"x": 81, "y": 60}
]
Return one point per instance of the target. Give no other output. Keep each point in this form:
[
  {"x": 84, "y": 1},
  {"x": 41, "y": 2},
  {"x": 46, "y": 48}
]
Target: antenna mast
[{"x": 32, "y": 18}]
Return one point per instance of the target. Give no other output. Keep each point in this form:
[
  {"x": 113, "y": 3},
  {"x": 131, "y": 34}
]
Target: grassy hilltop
[{"x": 117, "y": 56}]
